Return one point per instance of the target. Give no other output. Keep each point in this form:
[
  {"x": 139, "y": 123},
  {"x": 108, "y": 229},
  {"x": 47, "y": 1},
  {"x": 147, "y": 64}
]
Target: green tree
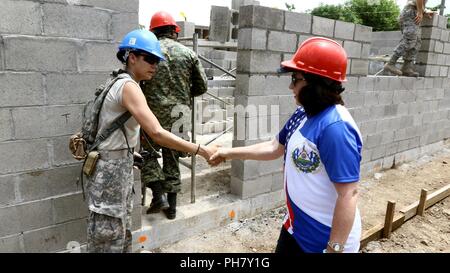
[
  {"x": 290, "y": 7},
  {"x": 337, "y": 12},
  {"x": 381, "y": 15}
]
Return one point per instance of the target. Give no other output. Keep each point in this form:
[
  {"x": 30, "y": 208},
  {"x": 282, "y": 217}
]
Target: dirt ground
[{"x": 401, "y": 184}]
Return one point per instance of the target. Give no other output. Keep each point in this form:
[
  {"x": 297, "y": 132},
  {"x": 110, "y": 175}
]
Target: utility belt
[
  {"x": 91, "y": 160},
  {"x": 115, "y": 154}
]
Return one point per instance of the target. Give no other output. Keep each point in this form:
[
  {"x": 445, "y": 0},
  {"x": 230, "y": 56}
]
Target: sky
[{"x": 198, "y": 11}]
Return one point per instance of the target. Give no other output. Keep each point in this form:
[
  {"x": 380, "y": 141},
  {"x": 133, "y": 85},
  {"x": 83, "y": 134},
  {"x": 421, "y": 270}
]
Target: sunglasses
[
  {"x": 294, "y": 80},
  {"x": 151, "y": 59}
]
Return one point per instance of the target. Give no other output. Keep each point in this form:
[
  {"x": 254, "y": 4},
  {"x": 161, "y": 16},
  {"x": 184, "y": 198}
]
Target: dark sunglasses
[
  {"x": 151, "y": 59},
  {"x": 294, "y": 80}
]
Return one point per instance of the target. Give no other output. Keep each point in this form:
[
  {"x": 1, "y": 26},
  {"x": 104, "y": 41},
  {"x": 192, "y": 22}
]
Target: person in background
[
  {"x": 176, "y": 81},
  {"x": 410, "y": 19}
]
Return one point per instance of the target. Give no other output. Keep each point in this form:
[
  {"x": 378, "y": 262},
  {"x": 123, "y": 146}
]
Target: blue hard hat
[{"x": 140, "y": 40}]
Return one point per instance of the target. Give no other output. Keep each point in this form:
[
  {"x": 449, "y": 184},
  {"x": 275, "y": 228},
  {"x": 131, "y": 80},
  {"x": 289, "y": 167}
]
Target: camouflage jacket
[{"x": 176, "y": 80}]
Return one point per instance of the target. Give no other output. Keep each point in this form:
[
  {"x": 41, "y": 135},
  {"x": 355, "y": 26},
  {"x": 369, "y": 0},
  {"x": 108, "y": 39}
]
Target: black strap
[{"x": 118, "y": 123}]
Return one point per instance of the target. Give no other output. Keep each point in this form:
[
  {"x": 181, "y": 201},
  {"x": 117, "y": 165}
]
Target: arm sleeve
[
  {"x": 291, "y": 124},
  {"x": 340, "y": 151},
  {"x": 199, "y": 81}
]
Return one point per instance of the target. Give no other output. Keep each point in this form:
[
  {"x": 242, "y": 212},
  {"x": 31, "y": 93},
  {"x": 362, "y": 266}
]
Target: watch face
[{"x": 337, "y": 247}]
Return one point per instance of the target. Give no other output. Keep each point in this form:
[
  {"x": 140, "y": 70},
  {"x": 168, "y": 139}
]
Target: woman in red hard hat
[{"x": 321, "y": 145}]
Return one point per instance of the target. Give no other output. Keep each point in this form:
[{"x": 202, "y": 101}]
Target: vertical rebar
[{"x": 193, "y": 159}]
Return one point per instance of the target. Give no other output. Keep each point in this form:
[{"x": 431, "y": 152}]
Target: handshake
[{"x": 214, "y": 154}]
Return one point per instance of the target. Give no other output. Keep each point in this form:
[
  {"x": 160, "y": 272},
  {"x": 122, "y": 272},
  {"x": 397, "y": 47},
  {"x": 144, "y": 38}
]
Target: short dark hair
[
  {"x": 319, "y": 93},
  {"x": 164, "y": 30}
]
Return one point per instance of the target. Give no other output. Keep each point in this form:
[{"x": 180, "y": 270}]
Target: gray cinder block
[
  {"x": 75, "y": 21},
  {"x": 21, "y": 159},
  {"x": 323, "y": 26},
  {"x": 20, "y": 17},
  {"x": 252, "y": 38},
  {"x": 280, "y": 41},
  {"x": 40, "y": 54},
  {"x": 122, "y": 23},
  {"x": 298, "y": 22},
  {"x": 344, "y": 30},
  {"x": 99, "y": 56},
  {"x": 21, "y": 89},
  {"x": 261, "y": 17}
]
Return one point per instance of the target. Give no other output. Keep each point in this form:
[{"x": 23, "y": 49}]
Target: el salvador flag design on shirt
[{"x": 319, "y": 150}]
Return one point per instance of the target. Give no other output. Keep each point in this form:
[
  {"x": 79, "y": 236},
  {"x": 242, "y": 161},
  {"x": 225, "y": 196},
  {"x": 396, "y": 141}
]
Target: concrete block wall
[
  {"x": 53, "y": 54},
  {"x": 384, "y": 42},
  {"x": 433, "y": 59},
  {"x": 400, "y": 118}
]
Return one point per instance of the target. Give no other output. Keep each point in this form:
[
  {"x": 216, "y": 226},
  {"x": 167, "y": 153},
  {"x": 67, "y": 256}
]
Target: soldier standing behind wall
[
  {"x": 409, "y": 20},
  {"x": 176, "y": 81}
]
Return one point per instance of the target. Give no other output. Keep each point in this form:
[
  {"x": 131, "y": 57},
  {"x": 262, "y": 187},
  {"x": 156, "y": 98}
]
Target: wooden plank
[
  {"x": 422, "y": 201},
  {"x": 372, "y": 234},
  {"x": 437, "y": 196},
  {"x": 406, "y": 213},
  {"x": 375, "y": 232},
  {"x": 433, "y": 198},
  {"x": 410, "y": 211},
  {"x": 390, "y": 210}
]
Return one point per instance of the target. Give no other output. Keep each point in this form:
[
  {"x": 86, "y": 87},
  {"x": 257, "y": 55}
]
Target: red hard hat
[
  {"x": 321, "y": 56},
  {"x": 162, "y": 18}
]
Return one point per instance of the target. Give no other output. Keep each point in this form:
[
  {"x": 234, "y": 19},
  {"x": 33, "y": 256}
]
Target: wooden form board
[{"x": 405, "y": 214}]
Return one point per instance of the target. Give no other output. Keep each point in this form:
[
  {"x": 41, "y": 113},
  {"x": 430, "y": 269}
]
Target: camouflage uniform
[
  {"x": 411, "y": 41},
  {"x": 176, "y": 81},
  {"x": 109, "y": 191},
  {"x": 409, "y": 44}
]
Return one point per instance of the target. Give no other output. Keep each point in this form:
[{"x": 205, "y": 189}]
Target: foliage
[
  {"x": 290, "y": 7},
  {"x": 381, "y": 15},
  {"x": 336, "y": 12}
]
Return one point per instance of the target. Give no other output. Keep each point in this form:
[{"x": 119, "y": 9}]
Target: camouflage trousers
[
  {"x": 110, "y": 199},
  {"x": 410, "y": 43},
  {"x": 168, "y": 175},
  {"x": 108, "y": 234}
]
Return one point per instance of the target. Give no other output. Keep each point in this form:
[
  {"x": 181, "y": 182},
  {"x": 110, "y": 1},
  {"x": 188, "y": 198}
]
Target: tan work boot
[
  {"x": 390, "y": 66},
  {"x": 393, "y": 69},
  {"x": 407, "y": 69}
]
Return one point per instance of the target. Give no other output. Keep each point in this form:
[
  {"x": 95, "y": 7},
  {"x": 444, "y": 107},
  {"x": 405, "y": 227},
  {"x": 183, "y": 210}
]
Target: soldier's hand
[
  {"x": 208, "y": 151},
  {"x": 418, "y": 18},
  {"x": 218, "y": 157}
]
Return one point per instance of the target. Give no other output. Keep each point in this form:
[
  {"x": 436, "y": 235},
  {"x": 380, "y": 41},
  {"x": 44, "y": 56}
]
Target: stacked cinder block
[
  {"x": 433, "y": 59},
  {"x": 53, "y": 54},
  {"x": 268, "y": 36},
  {"x": 401, "y": 118}
]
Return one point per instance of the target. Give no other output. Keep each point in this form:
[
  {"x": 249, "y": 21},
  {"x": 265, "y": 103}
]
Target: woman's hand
[
  {"x": 218, "y": 157},
  {"x": 207, "y": 151}
]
